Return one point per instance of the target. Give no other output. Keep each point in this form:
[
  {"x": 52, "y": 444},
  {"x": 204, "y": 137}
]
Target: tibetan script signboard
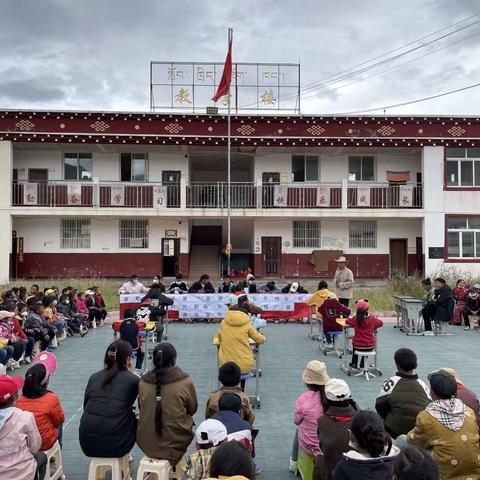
[{"x": 255, "y": 86}]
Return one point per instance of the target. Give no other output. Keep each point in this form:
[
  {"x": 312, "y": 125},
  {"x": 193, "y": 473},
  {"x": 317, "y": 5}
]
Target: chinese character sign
[
  {"x": 363, "y": 197},
  {"x": 159, "y": 196},
  {"x": 117, "y": 195},
  {"x": 254, "y": 86},
  {"x": 280, "y": 195},
  {"x": 30, "y": 193},
  {"x": 74, "y": 194},
  {"x": 406, "y": 196},
  {"x": 323, "y": 196}
]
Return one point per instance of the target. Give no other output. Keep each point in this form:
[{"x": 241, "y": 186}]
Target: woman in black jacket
[
  {"x": 108, "y": 425},
  {"x": 444, "y": 302}
]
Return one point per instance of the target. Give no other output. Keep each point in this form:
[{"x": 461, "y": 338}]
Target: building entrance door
[
  {"x": 398, "y": 256},
  {"x": 271, "y": 251},
  {"x": 40, "y": 176},
  {"x": 171, "y": 178},
  {"x": 170, "y": 252}
]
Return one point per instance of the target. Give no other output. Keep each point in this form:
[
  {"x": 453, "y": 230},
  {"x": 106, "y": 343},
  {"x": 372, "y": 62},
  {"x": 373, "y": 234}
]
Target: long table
[{"x": 275, "y": 306}]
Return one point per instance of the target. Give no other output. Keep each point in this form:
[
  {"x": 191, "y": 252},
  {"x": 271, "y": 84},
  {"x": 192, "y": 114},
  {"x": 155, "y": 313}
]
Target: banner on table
[
  {"x": 117, "y": 195},
  {"x": 74, "y": 194},
  {"x": 323, "y": 196},
  {"x": 159, "y": 196},
  {"x": 406, "y": 196},
  {"x": 30, "y": 193},
  {"x": 363, "y": 196},
  {"x": 280, "y": 195}
]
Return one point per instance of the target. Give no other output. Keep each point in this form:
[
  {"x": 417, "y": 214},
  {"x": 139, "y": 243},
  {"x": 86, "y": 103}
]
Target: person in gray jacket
[{"x": 343, "y": 281}]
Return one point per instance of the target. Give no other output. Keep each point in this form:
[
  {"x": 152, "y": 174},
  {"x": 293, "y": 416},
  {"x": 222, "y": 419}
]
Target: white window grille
[
  {"x": 75, "y": 233},
  {"x": 133, "y": 233},
  {"x": 306, "y": 233},
  {"x": 463, "y": 237},
  {"x": 463, "y": 167},
  {"x": 362, "y": 234}
]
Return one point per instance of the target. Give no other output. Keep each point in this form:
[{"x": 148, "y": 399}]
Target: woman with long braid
[{"x": 167, "y": 401}]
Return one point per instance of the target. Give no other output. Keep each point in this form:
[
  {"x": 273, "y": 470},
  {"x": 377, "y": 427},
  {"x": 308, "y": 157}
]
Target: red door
[{"x": 271, "y": 251}]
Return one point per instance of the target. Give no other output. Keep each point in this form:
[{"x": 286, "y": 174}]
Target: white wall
[
  {"x": 6, "y": 155},
  {"x": 159, "y": 161},
  {"x": 51, "y": 159},
  {"x": 42, "y": 235}
]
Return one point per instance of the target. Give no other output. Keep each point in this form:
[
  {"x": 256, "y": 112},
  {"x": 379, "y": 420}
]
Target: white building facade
[{"x": 108, "y": 194}]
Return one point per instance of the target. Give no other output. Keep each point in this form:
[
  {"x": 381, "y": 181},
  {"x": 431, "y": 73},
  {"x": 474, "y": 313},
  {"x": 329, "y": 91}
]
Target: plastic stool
[
  {"x": 54, "y": 453},
  {"x": 305, "y": 465},
  {"x": 120, "y": 468},
  {"x": 334, "y": 350},
  {"x": 161, "y": 468},
  {"x": 366, "y": 370}
]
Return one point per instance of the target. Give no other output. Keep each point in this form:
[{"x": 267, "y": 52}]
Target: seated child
[
  {"x": 50, "y": 313},
  {"x": 18, "y": 322},
  {"x": 94, "y": 313},
  {"x": 129, "y": 330},
  {"x": 209, "y": 435},
  {"x": 66, "y": 314},
  {"x": 14, "y": 345},
  {"x": 19, "y": 438},
  {"x": 228, "y": 413},
  {"x": 100, "y": 302},
  {"x": 330, "y": 310},
  {"x": 152, "y": 309},
  {"x": 35, "y": 325},
  {"x": 318, "y": 297},
  {"x": 44, "y": 404},
  {"x": 364, "y": 326},
  {"x": 229, "y": 376},
  {"x": 81, "y": 305}
]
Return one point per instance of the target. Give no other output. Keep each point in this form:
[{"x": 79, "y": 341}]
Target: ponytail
[
  {"x": 370, "y": 434},
  {"x": 361, "y": 316},
  {"x": 116, "y": 358},
  {"x": 164, "y": 355}
]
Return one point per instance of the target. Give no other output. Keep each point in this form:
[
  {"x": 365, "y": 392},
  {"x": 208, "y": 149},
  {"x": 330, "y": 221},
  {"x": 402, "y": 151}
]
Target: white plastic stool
[
  {"x": 366, "y": 370},
  {"x": 161, "y": 468},
  {"x": 54, "y": 453},
  {"x": 120, "y": 468}
]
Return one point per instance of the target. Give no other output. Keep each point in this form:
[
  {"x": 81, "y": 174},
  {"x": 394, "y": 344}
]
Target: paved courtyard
[{"x": 283, "y": 359}]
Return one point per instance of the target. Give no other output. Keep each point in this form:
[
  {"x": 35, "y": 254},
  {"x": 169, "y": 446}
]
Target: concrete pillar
[
  {"x": 344, "y": 194},
  {"x": 6, "y": 162},
  {"x": 183, "y": 191}
]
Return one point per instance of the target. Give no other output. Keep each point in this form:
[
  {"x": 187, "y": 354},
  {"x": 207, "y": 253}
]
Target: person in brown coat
[
  {"x": 167, "y": 401},
  {"x": 333, "y": 428}
]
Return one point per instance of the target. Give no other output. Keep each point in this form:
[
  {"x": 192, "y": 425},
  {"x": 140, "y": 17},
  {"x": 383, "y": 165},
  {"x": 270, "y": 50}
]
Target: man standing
[{"x": 343, "y": 281}]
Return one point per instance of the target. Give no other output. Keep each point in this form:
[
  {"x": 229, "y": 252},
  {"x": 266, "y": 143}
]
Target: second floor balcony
[{"x": 200, "y": 195}]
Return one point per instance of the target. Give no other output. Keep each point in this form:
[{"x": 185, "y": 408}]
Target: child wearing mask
[
  {"x": 37, "y": 326},
  {"x": 51, "y": 315},
  {"x": 472, "y": 306},
  {"x": 14, "y": 345}
]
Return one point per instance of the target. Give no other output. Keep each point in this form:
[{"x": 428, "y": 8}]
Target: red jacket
[
  {"x": 48, "y": 416},
  {"x": 17, "y": 330},
  {"x": 365, "y": 333},
  {"x": 81, "y": 306},
  {"x": 330, "y": 310}
]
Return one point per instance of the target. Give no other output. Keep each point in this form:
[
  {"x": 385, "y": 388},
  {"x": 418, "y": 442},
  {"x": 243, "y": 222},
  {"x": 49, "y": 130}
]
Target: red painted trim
[{"x": 275, "y": 130}]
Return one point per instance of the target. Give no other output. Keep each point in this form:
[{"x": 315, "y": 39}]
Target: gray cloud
[{"x": 95, "y": 55}]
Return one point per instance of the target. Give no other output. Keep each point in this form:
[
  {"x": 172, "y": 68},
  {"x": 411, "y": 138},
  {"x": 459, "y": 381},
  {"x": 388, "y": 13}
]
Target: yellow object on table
[
  {"x": 149, "y": 325},
  {"x": 341, "y": 321}
]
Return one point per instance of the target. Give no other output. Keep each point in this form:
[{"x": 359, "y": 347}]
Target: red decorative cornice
[{"x": 249, "y": 130}]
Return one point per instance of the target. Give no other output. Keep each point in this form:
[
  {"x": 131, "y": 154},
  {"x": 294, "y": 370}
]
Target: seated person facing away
[
  {"x": 20, "y": 441},
  {"x": 153, "y": 309},
  {"x": 209, "y": 435},
  {"x": 133, "y": 286},
  {"x": 364, "y": 326},
  {"x": 414, "y": 463},
  {"x": 294, "y": 287},
  {"x": 269, "y": 287},
  {"x": 202, "y": 286},
  {"x": 178, "y": 286},
  {"x": 44, "y": 404},
  {"x": 372, "y": 452},
  {"x": 448, "y": 429},
  {"x": 402, "y": 396},
  {"x": 232, "y": 460},
  {"x": 228, "y": 413},
  {"x": 318, "y": 297},
  {"x": 333, "y": 427},
  {"x": 129, "y": 330},
  {"x": 330, "y": 310},
  {"x": 167, "y": 402},
  {"x": 229, "y": 376}
]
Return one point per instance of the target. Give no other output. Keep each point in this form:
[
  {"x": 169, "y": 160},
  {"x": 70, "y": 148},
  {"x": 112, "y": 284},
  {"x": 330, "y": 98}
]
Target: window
[
  {"x": 305, "y": 168},
  {"x": 75, "y": 233},
  {"x": 306, "y": 234},
  {"x": 463, "y": 167},
  {"x": 133, "y": 233},
  {"x": 133, "y": 167},
  {"x": 463, "y": 237},
  {"x": 362, "y": 234},
  {"x": 77, "y": 166},
  {"x": 361, "y": 169}
]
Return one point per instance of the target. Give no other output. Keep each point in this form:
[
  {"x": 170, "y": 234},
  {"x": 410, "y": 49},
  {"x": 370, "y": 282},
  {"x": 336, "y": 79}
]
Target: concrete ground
[{"x": 284, "y": 357}]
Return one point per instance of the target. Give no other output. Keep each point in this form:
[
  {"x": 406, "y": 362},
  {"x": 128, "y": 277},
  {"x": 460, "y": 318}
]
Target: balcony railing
[{"x": 214, "y": 195}]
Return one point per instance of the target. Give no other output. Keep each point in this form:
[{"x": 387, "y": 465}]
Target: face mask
[
  {"x": 473, "y": 295},
  {"x": 24, "y": 314},
  {"x": 67, "y": 301},
  {"x": 155, "y": 280},
  {"x": 54, "y": 302}
]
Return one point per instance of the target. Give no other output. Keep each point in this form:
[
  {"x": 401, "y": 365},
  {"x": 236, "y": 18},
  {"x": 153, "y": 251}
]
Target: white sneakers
[
  {"x": 292, "y": 466},
  {"x": 428, "y": 334}
]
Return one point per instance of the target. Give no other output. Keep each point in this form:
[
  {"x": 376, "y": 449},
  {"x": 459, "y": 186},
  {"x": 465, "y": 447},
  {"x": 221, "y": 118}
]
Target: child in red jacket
[
  {"x": 330, "y": 310},
  {"x": 364, "y": 326}
]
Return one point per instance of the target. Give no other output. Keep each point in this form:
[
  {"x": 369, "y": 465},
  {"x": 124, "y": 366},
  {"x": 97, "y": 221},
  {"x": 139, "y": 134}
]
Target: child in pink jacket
[
  {"x": 309, "y": 407},
  {"x": 20, "y": 441}
]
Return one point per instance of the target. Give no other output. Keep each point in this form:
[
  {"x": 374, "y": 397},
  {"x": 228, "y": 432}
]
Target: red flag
[{"x": 226, "y": 79}]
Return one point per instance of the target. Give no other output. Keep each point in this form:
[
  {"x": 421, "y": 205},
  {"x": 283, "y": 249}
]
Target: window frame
[
  {"x": 77, "y": 153},
  {"x": 362, "y": 241},
  {"x": 306, "y": 241},
  {"x": 461, "y": 231},
  {"x": 82, "y": 241},
  {"x": 374, "y": 159},
  {"x": 147, "y": 165},
  {"x": 305, "y": 155},
  {"x": 475, "y": 160},
  {"x": 133, "y": 226}
]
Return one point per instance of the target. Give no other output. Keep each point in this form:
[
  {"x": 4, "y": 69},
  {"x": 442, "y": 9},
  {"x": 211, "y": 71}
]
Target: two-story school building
[{"x": 111, "y": 193}]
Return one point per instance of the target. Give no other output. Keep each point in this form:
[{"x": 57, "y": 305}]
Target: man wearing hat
[
  {"x": 343, "y": 281},
  {"x": 448, "y": 429}
]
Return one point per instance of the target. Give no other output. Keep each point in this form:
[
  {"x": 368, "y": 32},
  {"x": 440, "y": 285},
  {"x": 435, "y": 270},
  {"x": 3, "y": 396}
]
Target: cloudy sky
[{"x": 95, "y": 54}]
